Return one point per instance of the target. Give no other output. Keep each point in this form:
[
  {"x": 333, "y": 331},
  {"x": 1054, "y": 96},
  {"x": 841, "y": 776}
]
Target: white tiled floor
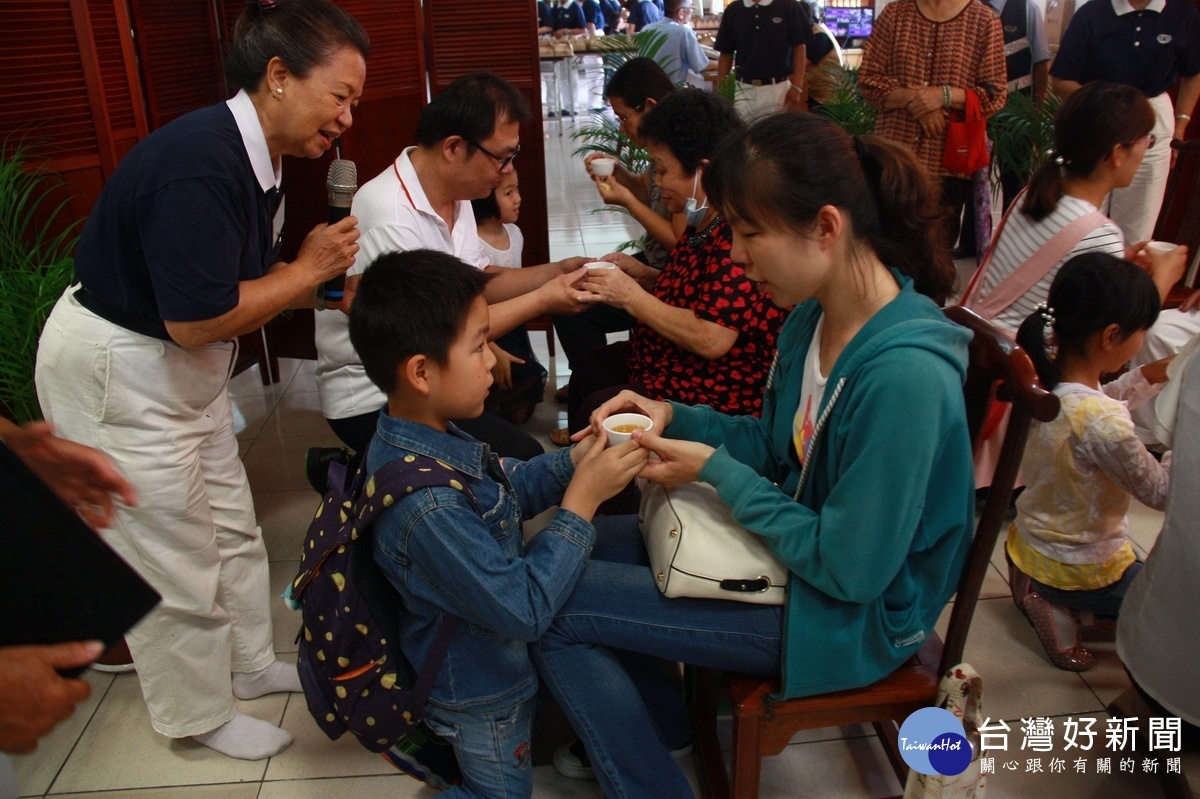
[{"x": 107, "y": 749}]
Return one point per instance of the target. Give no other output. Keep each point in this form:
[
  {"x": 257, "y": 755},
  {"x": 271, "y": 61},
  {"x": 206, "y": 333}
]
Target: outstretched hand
[
  {"x": 678, "y": 462},
  {"x": 83, "y": 477}
]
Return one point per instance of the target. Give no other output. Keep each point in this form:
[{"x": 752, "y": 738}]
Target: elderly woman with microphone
[{"x": 177, "y": 259}]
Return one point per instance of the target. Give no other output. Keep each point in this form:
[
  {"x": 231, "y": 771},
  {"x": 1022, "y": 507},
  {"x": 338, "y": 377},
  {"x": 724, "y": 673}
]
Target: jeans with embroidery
[{"x": 492, "y": 749}]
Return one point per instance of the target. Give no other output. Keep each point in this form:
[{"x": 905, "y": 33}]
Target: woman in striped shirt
[{"x": 1101, "y": 134}]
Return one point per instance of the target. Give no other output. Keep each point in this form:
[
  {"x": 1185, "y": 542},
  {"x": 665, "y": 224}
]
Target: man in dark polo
[
  {"x": 1150, "y": 45},
  {"x": 764, "y": 42}
]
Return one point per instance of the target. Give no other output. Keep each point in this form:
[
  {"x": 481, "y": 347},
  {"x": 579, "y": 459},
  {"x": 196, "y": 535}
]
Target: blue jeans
[
  {"x": 492, "y": 750},
  {"x": 618, "y": 701},
  {"x": 1104, "y": 601}
]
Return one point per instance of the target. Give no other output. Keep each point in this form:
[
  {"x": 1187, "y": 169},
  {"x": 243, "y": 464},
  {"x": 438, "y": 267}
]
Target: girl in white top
[
  {"x": 1101, "y": 135},
  {"x": 1068, "y": 549},
  {"x": 520, "y": 379}
]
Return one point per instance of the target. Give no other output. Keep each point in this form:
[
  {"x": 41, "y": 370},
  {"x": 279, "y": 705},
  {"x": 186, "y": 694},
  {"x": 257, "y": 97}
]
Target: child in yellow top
[{"x": 1068, "y": 549}]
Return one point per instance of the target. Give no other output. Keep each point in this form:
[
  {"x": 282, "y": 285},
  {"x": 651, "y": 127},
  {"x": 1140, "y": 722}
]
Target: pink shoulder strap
[{"x": 1027, "y": 275}]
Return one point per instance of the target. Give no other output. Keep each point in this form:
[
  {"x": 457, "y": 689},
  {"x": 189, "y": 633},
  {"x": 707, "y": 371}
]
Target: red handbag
[{"x": 966, "y": 139}]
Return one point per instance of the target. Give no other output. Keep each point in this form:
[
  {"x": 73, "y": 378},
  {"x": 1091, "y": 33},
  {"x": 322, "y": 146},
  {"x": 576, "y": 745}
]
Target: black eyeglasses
[{"x": 503, "y": 161}]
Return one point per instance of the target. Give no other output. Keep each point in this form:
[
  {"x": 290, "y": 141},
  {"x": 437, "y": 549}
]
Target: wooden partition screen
[{"x": 501, "y": 37}]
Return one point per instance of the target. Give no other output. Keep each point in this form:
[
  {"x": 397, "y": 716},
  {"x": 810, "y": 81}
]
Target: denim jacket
[{"x": 443, "y": 553}]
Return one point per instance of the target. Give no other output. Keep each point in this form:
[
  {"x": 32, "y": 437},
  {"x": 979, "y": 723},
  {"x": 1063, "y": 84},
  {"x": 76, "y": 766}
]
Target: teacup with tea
[{"x": 620, "y": 426}]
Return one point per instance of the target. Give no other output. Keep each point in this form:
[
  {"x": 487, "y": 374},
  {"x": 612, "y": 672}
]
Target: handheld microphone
[{"x": 341, "y": 185}]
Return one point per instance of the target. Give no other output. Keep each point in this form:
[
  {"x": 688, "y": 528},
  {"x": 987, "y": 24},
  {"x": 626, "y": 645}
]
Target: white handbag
[{"x": 697, "y": 549}]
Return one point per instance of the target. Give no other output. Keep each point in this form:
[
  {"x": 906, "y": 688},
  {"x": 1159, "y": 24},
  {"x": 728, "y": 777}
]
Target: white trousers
[
  {"x": 1135, "y": 208},
  {"x": 753, "y": 102},
  {"x": 161, "y": 412}
]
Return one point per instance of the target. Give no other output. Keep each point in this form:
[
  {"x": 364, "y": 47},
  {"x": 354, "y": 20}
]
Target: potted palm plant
[
  {"x": 1022, "y": 135},
  {"x": 35, "y": 269}
]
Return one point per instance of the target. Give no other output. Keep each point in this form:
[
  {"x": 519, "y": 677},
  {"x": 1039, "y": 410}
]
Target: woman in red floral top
[{"x": 705, "y": 334}]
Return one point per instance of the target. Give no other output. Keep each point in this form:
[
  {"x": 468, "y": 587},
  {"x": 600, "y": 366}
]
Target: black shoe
[{"x": 316, "y": 465}]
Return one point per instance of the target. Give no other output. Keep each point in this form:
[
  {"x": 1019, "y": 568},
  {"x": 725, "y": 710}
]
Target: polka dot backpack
[{"x": 355, "y": 678}]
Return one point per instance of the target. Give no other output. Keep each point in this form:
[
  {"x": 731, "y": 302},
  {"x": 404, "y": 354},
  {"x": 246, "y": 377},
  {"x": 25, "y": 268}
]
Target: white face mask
[{"x": 691, "y": 212}]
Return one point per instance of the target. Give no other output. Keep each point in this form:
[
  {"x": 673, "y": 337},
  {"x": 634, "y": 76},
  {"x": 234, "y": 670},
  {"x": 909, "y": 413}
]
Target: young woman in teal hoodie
[{"x": 858, "y": 474}]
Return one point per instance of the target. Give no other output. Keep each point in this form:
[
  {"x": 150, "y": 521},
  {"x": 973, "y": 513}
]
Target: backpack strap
[
  {"x": 434, "y": 658},
  {"x": 1028, "y": 274},
  {"x": 400, "y": 477},
  {"x": 403, "y": 476}
]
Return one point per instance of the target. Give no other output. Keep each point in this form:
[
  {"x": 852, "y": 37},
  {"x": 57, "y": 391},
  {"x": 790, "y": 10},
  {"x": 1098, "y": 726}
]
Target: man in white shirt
[
  {"x": 680, "y": 52},
  {"x": 467, "y": 139}
]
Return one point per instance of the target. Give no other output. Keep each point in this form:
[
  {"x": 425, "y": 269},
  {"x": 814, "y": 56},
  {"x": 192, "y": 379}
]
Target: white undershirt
[{"x": 812, "y": 391}]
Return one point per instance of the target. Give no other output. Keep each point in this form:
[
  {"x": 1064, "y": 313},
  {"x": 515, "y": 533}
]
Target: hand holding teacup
[
  {"x": 672, "y": 462},
  {"x": 593, "y": 171},
  {"x": 1167, "y": 263},
  {"x": 659, "y": 413},
  {"x": 612, "y": 285},
  {"x": 602, "y": 167}
]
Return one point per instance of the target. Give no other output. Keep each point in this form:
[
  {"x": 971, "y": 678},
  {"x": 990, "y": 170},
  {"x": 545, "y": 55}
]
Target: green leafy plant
[
  {"x": 35, "y": 269},
  {"x": 1022, "y": 135},
  {"x": 846, "y": 107}
]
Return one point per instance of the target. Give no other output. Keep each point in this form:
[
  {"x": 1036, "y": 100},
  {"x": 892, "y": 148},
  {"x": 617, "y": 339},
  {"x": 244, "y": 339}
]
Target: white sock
[
  {"x": 246, "y": 738},
  {"x": 274, "y": 679}
]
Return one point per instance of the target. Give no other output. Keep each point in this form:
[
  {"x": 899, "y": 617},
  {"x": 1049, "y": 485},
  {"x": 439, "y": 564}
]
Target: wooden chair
[
  {"x": 545, "y": 324},
  {"x": 762, "y": 725}
]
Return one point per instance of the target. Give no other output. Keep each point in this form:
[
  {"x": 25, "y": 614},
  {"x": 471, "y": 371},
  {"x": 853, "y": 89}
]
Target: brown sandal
[
  {"x": 560, "y": 395},
  {"x": 560, "y": 437}
]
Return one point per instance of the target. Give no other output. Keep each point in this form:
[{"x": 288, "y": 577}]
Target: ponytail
[
  {"x": 1045, "y": 190},
  {"x": 1092, "y": 121},
  {"x": 912, "y": 239},
  {"x": 785, "y": 167},
  {"x": 1031, "y": 335}
]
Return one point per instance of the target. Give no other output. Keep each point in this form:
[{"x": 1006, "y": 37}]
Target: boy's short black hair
[
  {"x": 411, "y": 303},
  {"x": 469, "y": 107}
]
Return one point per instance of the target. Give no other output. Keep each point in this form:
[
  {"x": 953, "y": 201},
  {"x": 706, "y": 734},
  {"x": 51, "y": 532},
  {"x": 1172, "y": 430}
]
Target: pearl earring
[{"x": 278, "y": 91}]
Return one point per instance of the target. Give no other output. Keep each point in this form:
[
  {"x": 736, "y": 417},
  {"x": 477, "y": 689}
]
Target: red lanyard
[{"x": 406, "y": 194}]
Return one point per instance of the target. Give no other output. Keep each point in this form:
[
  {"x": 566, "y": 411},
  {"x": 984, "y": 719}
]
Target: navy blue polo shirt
[
  {"x": 181, "y": 222},
  {"x": 643, "y": 13},
  {"x": 568, "y": 16},
  {"x": 611, "y": 11},
  {"x": 761, "y": 37},
  {"x": 544, "y": 19},
  {"x": 1146, "y": 49},
  {"x": 592, "y": 15}
]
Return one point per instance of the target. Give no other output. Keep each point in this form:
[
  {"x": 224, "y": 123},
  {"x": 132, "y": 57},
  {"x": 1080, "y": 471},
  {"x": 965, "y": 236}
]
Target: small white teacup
[
  {"x": 599, "y": 266},
  {"x": 603, "y": 167},
  {"x": 1160, "y": 247},
  {"x": 620, "y": 426}
]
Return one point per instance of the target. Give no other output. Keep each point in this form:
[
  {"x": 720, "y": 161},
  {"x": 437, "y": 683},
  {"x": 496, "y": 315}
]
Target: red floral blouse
[{"x": 702, "y": 278}]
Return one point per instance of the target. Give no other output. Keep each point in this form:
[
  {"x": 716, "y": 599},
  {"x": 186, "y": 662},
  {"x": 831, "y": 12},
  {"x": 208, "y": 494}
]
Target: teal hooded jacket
[{"x": 878, "y": 534}]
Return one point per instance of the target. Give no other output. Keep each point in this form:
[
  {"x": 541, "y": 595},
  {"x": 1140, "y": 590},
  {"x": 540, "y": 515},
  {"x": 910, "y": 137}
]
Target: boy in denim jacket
[{"x": 420, "y": 324}]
